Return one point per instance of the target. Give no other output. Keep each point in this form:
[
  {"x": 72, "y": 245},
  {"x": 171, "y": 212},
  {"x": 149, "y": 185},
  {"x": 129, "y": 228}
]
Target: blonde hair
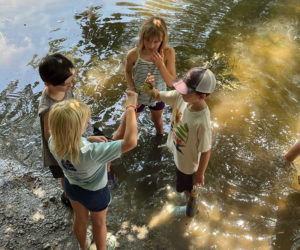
[
  {"x": 67, "y": 120},
  {"x": 154, "y": 26}
]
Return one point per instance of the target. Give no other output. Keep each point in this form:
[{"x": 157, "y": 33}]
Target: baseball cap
[{"x": 197, "y": 79}]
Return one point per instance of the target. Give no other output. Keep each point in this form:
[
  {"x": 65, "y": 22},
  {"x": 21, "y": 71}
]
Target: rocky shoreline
[{"x": 31, "y": 213}]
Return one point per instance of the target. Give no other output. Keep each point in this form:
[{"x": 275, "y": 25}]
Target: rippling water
[{"x": 248, "y": 201}]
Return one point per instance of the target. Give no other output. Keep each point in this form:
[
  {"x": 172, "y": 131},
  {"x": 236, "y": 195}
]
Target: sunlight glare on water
[
  {"x": 262, "y": 62},
  {"x": 249, "y": 200}
]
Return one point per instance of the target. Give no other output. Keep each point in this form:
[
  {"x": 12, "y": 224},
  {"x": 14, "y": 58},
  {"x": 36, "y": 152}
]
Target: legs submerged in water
[{"x": 156, "y": 117}]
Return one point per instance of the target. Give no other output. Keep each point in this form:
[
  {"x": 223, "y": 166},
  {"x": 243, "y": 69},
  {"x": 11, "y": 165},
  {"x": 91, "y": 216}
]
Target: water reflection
[
  {"x": 252, "y": 46},
  {"x": 287, "y": 229}
]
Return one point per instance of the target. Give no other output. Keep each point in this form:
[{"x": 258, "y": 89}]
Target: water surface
[{"x": 248, "y": 201}]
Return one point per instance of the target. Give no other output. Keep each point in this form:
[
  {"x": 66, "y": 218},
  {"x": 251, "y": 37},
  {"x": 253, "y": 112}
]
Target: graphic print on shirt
[
  {"x": 180, "y": 131},
  {"x": 68, "y": 165}
]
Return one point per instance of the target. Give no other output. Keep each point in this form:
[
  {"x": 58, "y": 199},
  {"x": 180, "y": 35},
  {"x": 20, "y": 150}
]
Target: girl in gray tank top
[{"x": 152, "y": 55}]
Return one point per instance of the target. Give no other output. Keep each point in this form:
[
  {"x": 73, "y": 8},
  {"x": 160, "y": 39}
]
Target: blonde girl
[
  {"x": 152, "y": 56},
  {"x": 84, "y": 163}
]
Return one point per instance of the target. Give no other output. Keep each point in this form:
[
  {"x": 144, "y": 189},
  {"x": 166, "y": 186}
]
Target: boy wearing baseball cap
[{"x": 190, "y": 135}]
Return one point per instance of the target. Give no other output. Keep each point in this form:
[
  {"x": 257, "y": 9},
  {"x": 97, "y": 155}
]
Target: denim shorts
[
  {"x": 184, "y": 182},
  {"x": 158, "y": 106},
  {"x": 94, "y": 201}
]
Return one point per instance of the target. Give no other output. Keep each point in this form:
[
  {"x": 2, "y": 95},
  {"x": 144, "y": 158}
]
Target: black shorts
[
  {"x": 184, "y": 182},
  {"x": 56, "y": 171},
  {"x": 158, "y": 106}
]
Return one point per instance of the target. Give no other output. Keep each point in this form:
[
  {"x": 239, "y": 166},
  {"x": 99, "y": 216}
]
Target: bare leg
[
  {"x": 62, "y": 182},
  {"x": 119, "y": 134},
  {"x": 80, "y": 223},
  {"x": 99, "y": 228},
  {"x": 156, "y": 117},
  {"x": 293, "y": 152},
  {"x": 108, "y": 166}
]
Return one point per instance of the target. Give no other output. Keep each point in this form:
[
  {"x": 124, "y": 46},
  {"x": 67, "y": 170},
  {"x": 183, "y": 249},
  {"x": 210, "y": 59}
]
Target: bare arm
[
  {"x": 128, "y": 124},
  {"x": 198, "y": 177},
  {"x": 156, "y": 95},
  {"x": 152, "y": 92},
  {"x": 166, "y": 64},
  {"x": 130, "y": 136},
  {"x": 119, "y": 133},
  {"x": 130, "y": 61},
  {"x": 98, "y": 138},
  {"x": 293, "y": 152}
]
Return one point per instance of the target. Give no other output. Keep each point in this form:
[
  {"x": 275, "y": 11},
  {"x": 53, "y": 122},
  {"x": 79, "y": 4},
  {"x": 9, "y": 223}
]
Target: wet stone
[
  {"x": 21, "y": 232},
  {"x": 46, "y": 246},
  {"x": 9, "y": 214},
  {"x": 52, "y": 199}
]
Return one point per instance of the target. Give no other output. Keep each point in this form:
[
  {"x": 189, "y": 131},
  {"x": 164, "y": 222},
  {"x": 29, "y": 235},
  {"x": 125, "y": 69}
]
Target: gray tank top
[{"x": 140, "y": 72}]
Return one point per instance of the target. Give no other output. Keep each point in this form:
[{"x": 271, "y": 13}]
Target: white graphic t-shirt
[{"x": 190, "y": 132}]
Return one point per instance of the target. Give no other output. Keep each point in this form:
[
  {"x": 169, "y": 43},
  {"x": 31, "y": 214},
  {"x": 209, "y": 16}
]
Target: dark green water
[{"x": 248, "y": 201}]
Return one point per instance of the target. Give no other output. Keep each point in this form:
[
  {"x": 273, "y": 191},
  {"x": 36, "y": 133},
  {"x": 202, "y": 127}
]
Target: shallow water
[{"x": 248, "y": 201}]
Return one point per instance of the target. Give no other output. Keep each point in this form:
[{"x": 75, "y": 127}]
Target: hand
[
  {"x": 150, "y": 79},
  {"x": 155, "y": 94},
  {"x": 131, "y": 98},
  {"x": 198, "y": 179},
  {"x": 158, "y": 58},
  {"x": 97, "y": 138}
]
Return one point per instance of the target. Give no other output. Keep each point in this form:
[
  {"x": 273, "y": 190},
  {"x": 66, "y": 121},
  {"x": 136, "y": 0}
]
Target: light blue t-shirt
[{"x": 91, "y": 170}]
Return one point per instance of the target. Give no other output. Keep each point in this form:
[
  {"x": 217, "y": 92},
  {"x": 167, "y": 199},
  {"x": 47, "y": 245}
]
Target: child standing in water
[
  {"x": 57, "y": 73},
  {"x": 84, "y": 163},
  {"x": 152, "y": 55},
  {"x": 190, "y": 135}
]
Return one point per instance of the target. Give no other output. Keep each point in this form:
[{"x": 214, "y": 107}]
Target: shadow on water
[{"x": 287, "y": 230}]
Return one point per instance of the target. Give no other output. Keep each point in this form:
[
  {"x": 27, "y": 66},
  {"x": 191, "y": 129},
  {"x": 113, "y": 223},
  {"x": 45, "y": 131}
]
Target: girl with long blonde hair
[
  {"x": 151, "y": 57},
  {"x": 84, "y": 163},
  {"x": 67, "y": 123}
]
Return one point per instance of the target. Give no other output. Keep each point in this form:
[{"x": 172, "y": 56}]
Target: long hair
[
  {"x": 154, "y": 26},
  {"x": 67, "y": 120}
]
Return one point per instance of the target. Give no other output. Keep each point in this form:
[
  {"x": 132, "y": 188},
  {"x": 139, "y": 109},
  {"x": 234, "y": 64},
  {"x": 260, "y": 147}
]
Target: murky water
[{"x": 248, "y": 201}]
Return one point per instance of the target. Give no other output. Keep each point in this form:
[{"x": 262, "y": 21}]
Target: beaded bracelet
[{"x": 131, "y": 106}]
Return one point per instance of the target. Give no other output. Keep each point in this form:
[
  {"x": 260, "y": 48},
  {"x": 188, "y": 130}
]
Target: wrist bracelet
[{"x": 131, "y": 106}]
